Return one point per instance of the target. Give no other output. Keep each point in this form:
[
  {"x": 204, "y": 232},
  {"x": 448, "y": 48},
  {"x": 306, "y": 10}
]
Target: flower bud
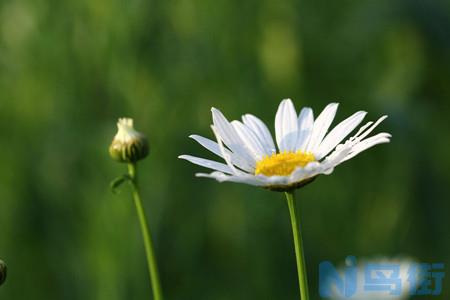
[
  {"x": 3, "y": 271},
  {"x": 128, "y": 145}
]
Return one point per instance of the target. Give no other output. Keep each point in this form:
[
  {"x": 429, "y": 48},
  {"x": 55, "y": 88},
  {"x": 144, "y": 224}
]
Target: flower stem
[
  {"x": 151, "y": 261},
  {"x": 298, "y": 243}
]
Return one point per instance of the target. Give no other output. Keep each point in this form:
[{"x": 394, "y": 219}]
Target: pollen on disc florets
[
  {"x": 284, "y": 163},
  {"x": 128, "y": 144}
]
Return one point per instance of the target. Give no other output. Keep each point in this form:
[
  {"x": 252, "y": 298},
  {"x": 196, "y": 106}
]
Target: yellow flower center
[{"x": 283, "y": 164}]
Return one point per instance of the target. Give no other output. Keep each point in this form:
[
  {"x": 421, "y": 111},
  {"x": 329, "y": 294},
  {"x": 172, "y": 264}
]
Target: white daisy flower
[{"x": 304, "y": 149}]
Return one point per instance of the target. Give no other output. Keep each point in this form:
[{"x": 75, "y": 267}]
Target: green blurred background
[{"x": 69, "y": 69}]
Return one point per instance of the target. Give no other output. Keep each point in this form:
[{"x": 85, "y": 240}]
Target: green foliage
[{"x": 69, "y": 69}]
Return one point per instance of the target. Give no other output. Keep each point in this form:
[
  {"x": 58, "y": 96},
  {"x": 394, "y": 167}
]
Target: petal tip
[{"x": 286, "y": 101}]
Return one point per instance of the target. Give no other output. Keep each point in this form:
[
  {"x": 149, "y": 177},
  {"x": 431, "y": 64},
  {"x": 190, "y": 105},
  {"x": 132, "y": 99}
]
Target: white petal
[
  {"x": 380, "y": 138},
  {"x": 214, "y": 148},
  {"x": 207, "y": 163},
  {"x": 230, "y": 137},
  {"x": 221, "y": 177},
  {"x": 305, "y": 126},
  {"x": 339, "y": 133},
  {"x": 306, "y": 172},
  {"x": 286, "y": 126},
  {"x": 207, "y": 143},
  {"x": 259, "y": 180},
  {"x": 225, "y": 154},
  {"x": 261, "y": 131},
  {"x": 328, "y": 171},
  {"x": 366, "y": 133},
  {"x": 250, "y": 140},
  {"x": 321, "y": 126},
  {"x": 338, "y": 155},
  {"x": 360, "y": 130}
]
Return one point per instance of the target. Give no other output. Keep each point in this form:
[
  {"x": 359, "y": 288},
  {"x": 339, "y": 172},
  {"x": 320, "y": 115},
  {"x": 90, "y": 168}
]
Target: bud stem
[{"x": 151, "y": 261}]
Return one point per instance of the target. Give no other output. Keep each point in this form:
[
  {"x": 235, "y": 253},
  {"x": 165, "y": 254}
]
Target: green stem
[
  {"x": 298, "y": 243},
  {"x": 151, "y": 261}
]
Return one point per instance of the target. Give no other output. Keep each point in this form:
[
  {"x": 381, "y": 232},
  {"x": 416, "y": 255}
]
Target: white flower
[{"x": 305, "y": 150}]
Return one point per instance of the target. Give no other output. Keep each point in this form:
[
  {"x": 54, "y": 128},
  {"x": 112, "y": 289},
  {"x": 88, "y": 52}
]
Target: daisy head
[
  {"x": 304, "y": 147},
  {"x": 128, "y": 144}
]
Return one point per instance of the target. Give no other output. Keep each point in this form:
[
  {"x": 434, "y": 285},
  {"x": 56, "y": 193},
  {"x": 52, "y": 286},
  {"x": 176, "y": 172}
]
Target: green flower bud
[
  {"x": 3, "y": 271},
  {"x": 129, "y": 145}
]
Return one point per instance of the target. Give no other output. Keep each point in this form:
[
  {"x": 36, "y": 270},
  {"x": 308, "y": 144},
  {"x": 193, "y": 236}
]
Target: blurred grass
[{"x": 69, "y": 69}]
